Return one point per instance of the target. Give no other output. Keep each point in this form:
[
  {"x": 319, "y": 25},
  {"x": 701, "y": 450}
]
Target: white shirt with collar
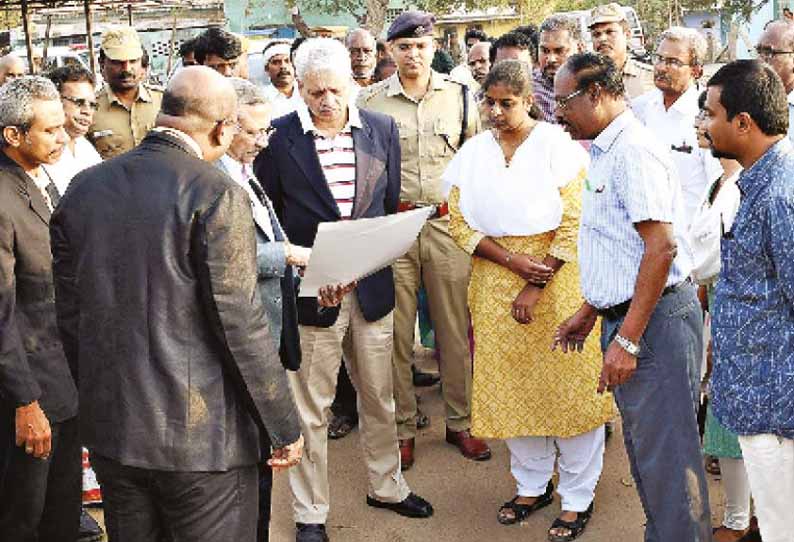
[
  {"x": 283, "y": 105},
  {"x": 71, "y": 163},
  {"x": 186, "y": 139},
  {"x": 791, "y": 115},
  {"x": 675, "y": 129},
  {"x": 261, "y": 214}
]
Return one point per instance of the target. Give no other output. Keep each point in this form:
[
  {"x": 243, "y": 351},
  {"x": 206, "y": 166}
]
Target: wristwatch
[{"x": 627, "y": 345}]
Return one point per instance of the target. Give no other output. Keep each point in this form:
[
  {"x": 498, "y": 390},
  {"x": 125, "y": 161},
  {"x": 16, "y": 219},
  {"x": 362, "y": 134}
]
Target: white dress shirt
[
  {"x": 70, "y": 164},
  {"x": 675, "y": 130},
  {"x": 261, "y": 215},
  {"x": 283, "y": 105}
]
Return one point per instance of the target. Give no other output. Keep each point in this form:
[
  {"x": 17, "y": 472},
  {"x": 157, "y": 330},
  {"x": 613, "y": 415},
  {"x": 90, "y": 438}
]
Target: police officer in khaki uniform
[
  {"x": 611, "y": 33},
  {"x": 126, "y": 107},
  {"x": 435, "y": 115}
]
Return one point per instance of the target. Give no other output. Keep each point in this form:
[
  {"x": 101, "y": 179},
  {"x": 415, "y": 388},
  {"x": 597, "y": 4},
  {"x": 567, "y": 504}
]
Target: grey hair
[
  {"x": 558, "y": 22},
  {"x": 322, "y": 54},
  {"x": 364, "y": 31},
  {"x": 248, "y": 93},
  {"x": 694, "y": 39},
  {"x": 16, "y": 101}
]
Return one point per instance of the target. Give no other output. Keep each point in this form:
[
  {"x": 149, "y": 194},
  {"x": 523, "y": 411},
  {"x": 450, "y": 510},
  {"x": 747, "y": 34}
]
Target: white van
[{"x": 637, "y": 40}]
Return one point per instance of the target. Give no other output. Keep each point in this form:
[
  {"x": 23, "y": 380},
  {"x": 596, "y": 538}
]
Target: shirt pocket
[
  {"x": 442, "y": 139},
  {"x": 408, "y": 141}
]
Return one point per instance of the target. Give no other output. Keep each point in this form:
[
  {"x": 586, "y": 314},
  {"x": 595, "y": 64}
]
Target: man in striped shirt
[{"x": 329, "y": 161}]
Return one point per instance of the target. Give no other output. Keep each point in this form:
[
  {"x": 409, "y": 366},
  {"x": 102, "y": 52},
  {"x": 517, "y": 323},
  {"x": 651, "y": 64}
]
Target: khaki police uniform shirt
[
  {"x": 637, "y": 78},
  {"x": 430, "y": 130},
  {"x": 117, "y": 129}
]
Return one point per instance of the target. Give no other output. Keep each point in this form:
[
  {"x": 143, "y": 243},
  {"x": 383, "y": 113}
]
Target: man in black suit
[
  {"x": 329, "y": 161},
  {"x": 180, "y": 382},
  {"x": 39, "y": 445}
]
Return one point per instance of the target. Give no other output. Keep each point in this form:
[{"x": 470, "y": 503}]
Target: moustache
[{"x": 662, "y": 78}]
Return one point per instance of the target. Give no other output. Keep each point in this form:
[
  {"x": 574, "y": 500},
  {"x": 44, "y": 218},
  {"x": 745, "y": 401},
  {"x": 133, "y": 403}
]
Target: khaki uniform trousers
[
  {"x": 367, "y": 348},
  {"x": 444, "y": 268}
]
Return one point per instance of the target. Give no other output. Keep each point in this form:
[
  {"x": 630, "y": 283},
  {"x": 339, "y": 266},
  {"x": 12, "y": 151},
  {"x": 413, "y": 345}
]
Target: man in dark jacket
[
  {"x": 155, "y": 265},
  {"x": 327, "y": 162},
  {"x": 39, "y": 446}
]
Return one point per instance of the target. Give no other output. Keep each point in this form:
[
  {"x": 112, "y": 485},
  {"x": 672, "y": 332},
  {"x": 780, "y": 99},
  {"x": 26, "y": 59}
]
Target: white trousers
[
  {"x": 736, "y": 487},
  {"x": 581, "y": 459},
  {"x": 770, "y": 467}
]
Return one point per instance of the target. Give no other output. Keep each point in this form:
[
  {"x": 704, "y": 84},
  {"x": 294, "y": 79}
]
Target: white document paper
[{"x": 350, "y": 250}]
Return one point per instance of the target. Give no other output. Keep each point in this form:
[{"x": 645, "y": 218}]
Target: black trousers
[
  {"x": 143, "y": 505},
  {"x": 40, "y": 498},
  {"x": 265, "y": 492}
]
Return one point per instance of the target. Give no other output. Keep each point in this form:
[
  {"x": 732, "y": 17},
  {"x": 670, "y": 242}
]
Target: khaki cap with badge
[
  {"x": 121, "y": 43},
  {"x": 606, "y": 13}
]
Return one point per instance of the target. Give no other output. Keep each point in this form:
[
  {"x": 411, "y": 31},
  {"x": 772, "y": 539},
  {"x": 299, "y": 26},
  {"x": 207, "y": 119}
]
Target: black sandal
[
  {"x": 576, "y": 528},
  {"x": 522, "y": 511},
  {"x": 341, "y": 426}
]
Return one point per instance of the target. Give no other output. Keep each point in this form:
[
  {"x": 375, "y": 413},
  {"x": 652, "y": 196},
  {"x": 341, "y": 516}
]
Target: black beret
[{"x": 411, "y": 24}]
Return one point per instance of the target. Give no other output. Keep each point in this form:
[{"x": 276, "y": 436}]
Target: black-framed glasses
[
  {"x": 769, "y": 52},
  {"x": 82, "y": 103},
  {"x": 562, "y": 103},
  {"x": 669, "y": 61}
]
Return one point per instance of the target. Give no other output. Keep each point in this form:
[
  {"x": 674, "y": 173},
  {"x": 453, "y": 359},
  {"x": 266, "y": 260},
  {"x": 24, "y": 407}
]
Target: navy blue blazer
[{"x": 290, "y": 171}]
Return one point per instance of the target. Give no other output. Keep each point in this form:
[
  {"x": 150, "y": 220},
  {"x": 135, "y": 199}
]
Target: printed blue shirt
[{"x": 753, "y": 324}]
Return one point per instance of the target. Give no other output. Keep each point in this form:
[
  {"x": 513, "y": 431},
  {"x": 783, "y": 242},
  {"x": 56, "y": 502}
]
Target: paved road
[{"x": 465, "y": 494}]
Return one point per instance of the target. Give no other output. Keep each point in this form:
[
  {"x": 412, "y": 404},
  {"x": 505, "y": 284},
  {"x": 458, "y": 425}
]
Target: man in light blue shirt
[{"x": 634, "y": 265}]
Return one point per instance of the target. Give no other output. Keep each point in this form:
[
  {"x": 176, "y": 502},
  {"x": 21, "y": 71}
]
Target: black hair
[
  {"x": 219, "y": 42},
  {"x": 70, "y": 73},
  {"x": 517, "y": 76},
  {"x": 187, "y": 47},
  {"x": 382, "y": 64},
  {"x": 475, "y": 33},
  {"x": 591, "y": 68},
  {"x": 511, "y": 39},
  {"x": 531, "y": 32},
  {"x": 297, "y": 42},
  {"x": 752, "y": 87}
]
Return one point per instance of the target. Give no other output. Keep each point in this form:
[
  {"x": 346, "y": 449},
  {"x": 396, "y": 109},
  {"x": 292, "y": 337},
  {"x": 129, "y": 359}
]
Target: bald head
[
  {"x": 202, "y": 103},
  {"x": 479, "y": 61},
  {"x": 775, "y": 46},
  {"x": 11, "y": 67}
]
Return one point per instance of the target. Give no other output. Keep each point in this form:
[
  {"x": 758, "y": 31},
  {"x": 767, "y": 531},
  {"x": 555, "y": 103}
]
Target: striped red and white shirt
[{"x": 337, "y": 158}]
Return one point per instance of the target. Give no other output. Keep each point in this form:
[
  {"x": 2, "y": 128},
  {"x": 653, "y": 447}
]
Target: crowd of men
[{"x": 150, "y": 241}]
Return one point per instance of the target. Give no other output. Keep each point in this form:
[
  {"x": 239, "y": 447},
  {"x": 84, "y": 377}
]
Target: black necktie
[{"x": 52, "y": 192}]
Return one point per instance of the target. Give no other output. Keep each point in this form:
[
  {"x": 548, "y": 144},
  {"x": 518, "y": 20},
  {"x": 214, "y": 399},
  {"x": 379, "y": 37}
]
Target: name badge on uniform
[{"x": 102, "y": 133}]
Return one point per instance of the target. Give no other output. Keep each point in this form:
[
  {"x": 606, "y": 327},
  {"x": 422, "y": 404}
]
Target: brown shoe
[
  {"x": 470, "y": 447},
  {"x": 406, "y": 453}
]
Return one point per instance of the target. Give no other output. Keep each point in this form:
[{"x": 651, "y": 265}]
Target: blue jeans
[{"x": 659, "y": 420}]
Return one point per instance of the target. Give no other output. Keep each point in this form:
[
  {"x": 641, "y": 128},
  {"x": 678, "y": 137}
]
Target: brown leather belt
[{"x": 442, "y": 209}]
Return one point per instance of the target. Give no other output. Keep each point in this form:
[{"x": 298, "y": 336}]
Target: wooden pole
[
  {"x": 28, "y": 38},
  {"x": 46, "y": 47},
  {"x": 89, "y": 34},
  {"x": 171, "y": 48},
  {"x": 129, "y": 14}
]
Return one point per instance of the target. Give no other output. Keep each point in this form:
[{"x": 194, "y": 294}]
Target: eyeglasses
[
  {"x": 258, "y": 135},
  {"x": 668, "y": 61},
  {"x": 768, "y": 52},
  {"x": 562, "y": 103},
  {"x": 81, "y": 103}
]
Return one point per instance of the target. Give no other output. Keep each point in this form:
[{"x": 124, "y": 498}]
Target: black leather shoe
[
  {"x": 90, "y": 531},
  {"x": 413, "y": 506},
  {"x": 310, "y": 532}
]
